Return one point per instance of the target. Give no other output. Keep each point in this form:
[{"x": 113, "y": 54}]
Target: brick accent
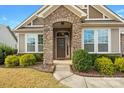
[{"x": 61, "y": 14}]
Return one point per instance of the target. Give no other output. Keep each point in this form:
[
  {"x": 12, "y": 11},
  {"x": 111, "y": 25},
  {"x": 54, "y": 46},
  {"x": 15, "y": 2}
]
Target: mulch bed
[
  {"x": 44, "y": 67},
  {"x": 94, "y": 73}
]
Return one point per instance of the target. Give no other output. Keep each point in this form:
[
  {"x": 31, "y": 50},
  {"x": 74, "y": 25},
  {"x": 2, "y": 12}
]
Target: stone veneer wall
[{"x": 61, "y": 14}]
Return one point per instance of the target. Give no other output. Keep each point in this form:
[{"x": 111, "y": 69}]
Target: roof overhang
[
  {"x": 103, "y": 25},
  {"x": 34, "y": 14},
  {"x": 52, "y": 8},
  {"x": 46, "y": 10},
  {"x": 34, "y": 30},
  {"x": 108, "y": 12}
]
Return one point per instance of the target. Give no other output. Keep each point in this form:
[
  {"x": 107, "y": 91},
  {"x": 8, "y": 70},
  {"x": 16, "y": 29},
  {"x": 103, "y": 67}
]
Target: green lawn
[{"x": 27, "y": 78}]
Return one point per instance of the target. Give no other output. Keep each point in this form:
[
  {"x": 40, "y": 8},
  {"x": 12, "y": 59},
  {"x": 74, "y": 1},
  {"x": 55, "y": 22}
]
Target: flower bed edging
[{"x": 94, "y": 73}]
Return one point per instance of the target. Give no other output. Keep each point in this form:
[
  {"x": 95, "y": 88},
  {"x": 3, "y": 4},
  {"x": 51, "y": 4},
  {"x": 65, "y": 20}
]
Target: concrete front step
[
  {"x": 62, "y": 62},
  {"x": 63, "y": 68},
  {"x": 62, "y": 71}
]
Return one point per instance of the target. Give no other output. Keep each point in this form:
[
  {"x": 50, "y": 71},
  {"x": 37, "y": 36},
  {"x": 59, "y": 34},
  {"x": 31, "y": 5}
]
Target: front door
[
  {"x": 60, "y": 48},
  {"x": 62, "y": 45}
]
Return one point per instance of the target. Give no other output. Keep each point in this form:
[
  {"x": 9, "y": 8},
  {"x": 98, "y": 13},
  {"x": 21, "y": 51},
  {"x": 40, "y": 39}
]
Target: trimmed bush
[
  {"x": 1, "y": 54},
  {"x": 11, "y": 61},
  {"x": 39, "y": 57},
  {"x": 119, "y": 64},
  {"x": 111, "y": 56},
  {"x": 27, "y": 60},
  {"x": 105, "y": 66},
  {"x": 81, "y": 60},
  {"x": 8, "y": 51}
]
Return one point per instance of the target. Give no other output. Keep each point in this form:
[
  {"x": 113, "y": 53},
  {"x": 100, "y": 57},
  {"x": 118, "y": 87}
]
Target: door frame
[{"x": 69, "y": 45}]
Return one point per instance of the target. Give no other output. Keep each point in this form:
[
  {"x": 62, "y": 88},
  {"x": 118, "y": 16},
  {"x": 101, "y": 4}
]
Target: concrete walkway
[{"x": 64, "y": 76}]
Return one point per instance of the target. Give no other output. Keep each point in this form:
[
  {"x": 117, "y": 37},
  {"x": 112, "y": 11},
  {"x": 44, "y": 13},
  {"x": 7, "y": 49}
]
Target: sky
[{"x": 13, "y": 15}]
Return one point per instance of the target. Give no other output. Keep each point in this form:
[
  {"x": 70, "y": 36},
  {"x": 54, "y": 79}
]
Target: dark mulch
[
  {"x": 94, "y": 73},
  {"x": 44, "y": 67}
]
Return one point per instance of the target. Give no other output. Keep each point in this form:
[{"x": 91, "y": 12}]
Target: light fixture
[{"x": 62, "y": 23}]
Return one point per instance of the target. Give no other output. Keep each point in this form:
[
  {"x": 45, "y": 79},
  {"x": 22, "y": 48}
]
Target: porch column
[
  {"x": 76, "y": 37},
  {"x": 48, "y": 45}
]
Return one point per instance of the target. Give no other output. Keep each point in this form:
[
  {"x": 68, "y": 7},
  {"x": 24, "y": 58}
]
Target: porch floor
[{"x": 62, "y": 62}]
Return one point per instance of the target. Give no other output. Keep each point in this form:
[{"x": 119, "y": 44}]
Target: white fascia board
[
  {"x": 52, "y": 8},
  {"x": 35, "y": 14},
  {"x": 77, "y": 9},
  {"x": 48, "y": 11},
  {"x": 112, "y": 13}
]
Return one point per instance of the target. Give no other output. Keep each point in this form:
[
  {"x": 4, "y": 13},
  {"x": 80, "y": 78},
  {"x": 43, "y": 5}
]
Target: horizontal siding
[
  {"x": 115, "y": 40},
  {"x": 21, "y": 43}
]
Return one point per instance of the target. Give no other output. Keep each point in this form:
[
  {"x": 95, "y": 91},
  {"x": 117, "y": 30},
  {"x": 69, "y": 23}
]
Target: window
[
  {"x": 31, "y": 43},
  {"x": 40, "y": 43},
  {"x": 34, "y": 43},
  {"x": 89, "y": 40},
  {"x": 97, "y": 40},
  {"x": 102, "y": 40}
]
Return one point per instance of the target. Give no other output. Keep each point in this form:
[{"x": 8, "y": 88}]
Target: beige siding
[
  {"x": 93, "y": 13},
  {"x": 6, "y": 37},
  {"x": 122, "y": 43},
  {"x": 115, "y": 40},
  {"x": 21, "y": 43}
]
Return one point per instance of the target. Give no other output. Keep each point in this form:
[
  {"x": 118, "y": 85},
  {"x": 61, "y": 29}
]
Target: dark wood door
[{"x": 60, "y": 48}]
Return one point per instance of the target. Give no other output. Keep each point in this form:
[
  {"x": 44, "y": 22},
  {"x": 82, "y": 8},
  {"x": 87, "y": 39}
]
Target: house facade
[
  {"x": 7, "y": 37},
  {"x": 58, "y": 30}
]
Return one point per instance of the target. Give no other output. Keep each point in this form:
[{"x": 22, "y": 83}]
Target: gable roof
[
  {"x": 34, "y": 14},
  {"x": 52, "y": 8},
  {"x": 48, "y": 9},
  {"x": 104, "y": 9}
]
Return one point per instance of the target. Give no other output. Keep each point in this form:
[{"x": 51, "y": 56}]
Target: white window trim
[
  {"x": 18, "y": 47},
  {"x": 96, "y": 40},
  {"x": 36, "y": 42}
]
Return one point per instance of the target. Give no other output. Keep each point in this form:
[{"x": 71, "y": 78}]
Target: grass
[{"x": 27, "y": 78}]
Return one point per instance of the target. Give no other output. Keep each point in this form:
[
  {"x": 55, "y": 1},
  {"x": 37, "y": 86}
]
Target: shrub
[
  {"x": 111, "y": 56},
  {"x": 1, "y": 54},
  {"x": 39, "y": 57},
  {"x": 105, "y": 66},
  {"x": 27, "y": 60},
  {"x": 8, "y": 51},
  {"x": 119, "y": 64},
  {"x": 11, "y": 61},
  {"x": 81, "y": 60}
]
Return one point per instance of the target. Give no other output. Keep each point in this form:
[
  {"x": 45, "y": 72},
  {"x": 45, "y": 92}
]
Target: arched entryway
[{"x": 62, "y": 40}]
